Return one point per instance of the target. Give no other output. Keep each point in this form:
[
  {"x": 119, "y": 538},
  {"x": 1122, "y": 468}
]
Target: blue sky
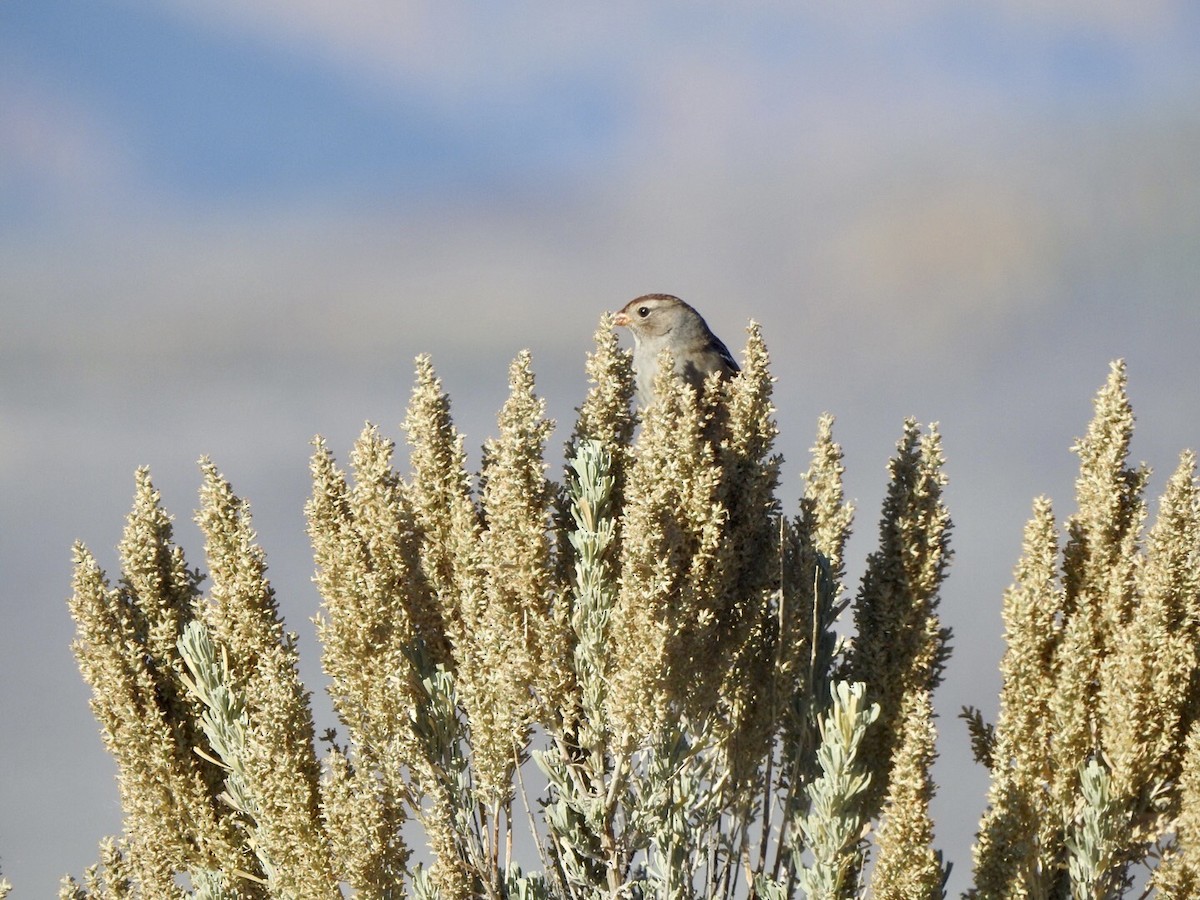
[
  {"x": 225, "y": 227},
  {"x": 220, "y": 106},
  {"x": 205, "y": 119}
]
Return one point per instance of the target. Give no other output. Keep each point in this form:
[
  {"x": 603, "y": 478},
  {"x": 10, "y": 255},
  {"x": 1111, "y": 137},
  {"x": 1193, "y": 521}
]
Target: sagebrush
[{"x": 630, "y": 683}]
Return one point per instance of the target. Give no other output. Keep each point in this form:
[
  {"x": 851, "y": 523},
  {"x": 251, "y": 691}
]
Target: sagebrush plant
[
  {"x": 1093, "y": 757},
  {"x": 636, "y": 672}
]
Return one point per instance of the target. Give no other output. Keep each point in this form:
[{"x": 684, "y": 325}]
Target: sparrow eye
[{"x": 643, "y": 311}]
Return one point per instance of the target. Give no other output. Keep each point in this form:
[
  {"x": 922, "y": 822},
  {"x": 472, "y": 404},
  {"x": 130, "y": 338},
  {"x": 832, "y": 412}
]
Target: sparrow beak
[{"x": 621, "y": 319}]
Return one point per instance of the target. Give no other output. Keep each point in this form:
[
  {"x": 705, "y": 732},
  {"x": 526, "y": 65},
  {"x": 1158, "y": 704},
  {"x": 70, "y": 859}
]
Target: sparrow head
[
  {"x": 664, "y": 322},
  {"x": 654, "y": 315}
]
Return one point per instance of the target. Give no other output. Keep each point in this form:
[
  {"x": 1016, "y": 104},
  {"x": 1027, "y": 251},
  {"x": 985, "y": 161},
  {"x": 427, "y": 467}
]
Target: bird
[{"x": 663, "y": 321}]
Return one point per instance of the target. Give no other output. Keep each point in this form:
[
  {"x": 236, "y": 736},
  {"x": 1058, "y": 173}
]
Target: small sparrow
[{"x": 661, "y": 321}]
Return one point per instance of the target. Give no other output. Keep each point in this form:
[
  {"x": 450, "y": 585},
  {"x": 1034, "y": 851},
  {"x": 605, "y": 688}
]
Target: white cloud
[
  {"x": 455, "y": 49},
  {"x": 1115, "y": 18},
  {"x": 451, "y": 51},
  {"x": 55, "y": 146}
]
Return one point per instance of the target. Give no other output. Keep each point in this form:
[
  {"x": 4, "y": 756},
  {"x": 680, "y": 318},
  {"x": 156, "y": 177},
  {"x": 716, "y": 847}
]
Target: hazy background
[{"x": 226, "y": 227}]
